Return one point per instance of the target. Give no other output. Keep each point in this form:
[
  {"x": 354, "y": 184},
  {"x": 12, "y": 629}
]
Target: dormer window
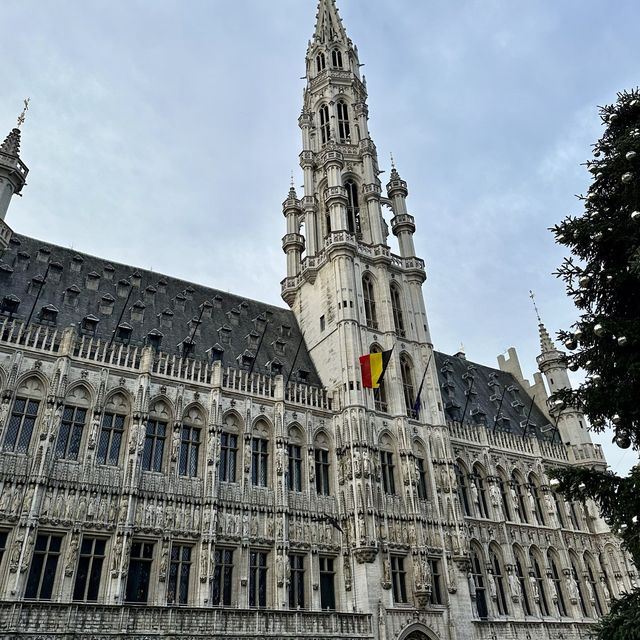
[
  {"x": 279, "y": 346},
  {"x": 253, "y": 339},
  {"x": 303, "y": 375},
  {"x": 225, "y": 334},
  {"x": 246, "y": 360},
  {"x": 321, "y": 62},
  {"x": 76, "y": 263},
  {"x": 123, "y": 333},
  {"x": 285, "y": 331},
  {"x": 9, "y": 304},
  {"x": 276, "y": 367},
  {"x": 325, "y": 124},
  {"x": 123, "y": 288},
  {"x": 187, "y": 347},
  {"x": 93, "y": 280},
  {"x": 48, "y": 314},
  {"x": 137, "y": 311},
  {"x": 216, "y": 353},
  {"x": 336, "y": 59},
  {"x": 108, "y": 271},
  {"x": 90, "y": 324},
  {"x": 136, "y": 279},
  {"x": 106, "y": 303},
  {"x": 154, "y": 339}
]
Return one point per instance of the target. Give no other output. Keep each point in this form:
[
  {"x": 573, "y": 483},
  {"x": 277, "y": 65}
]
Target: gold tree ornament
[{"x": 22, "y": 117}]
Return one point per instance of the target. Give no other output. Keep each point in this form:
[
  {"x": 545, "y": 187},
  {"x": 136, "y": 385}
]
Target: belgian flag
[{"x": 373, "y": 367}]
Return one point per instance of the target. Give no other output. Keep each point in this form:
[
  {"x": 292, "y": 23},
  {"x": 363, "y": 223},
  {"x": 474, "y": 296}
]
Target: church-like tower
[{"x": 13, "y": 175}]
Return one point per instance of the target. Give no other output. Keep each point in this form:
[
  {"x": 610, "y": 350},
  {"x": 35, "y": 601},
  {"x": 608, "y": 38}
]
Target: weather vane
[
  {"x": 292, "y": 184},
  {"x": 393, "y": 163},
  {"x": 23, "y": 115},
  {"x": 535, "y": 306}
]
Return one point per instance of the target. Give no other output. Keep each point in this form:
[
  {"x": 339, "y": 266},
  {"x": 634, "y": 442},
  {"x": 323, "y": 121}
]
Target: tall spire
[
  {"x": 329, "y": 27},
  {"x": 11, "y": 144},
  {"x": 546, "y": 343}
]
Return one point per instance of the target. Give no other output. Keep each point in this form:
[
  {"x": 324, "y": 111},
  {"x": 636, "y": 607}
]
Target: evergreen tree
[{"x": 603, "y": 277}]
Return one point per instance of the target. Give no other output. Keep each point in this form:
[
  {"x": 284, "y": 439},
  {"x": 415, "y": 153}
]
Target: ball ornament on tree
[{"x": 627, "y": 177}]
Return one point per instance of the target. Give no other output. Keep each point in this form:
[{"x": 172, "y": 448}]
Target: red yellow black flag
[{"x": 373, "y": 367}]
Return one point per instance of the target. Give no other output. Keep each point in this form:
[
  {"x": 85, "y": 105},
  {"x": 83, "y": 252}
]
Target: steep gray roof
[
  {"x": 81, "y": 289},
  {"x": 497, "y": 400}
]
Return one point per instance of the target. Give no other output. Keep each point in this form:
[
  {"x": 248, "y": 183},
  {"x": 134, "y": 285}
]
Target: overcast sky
[{"x": 162, "y": 133}]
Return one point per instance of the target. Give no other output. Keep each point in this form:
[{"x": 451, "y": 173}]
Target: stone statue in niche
[{"x": 72, "y": 556}]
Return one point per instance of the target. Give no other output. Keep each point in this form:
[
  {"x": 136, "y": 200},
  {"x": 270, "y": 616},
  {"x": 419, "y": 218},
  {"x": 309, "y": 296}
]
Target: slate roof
[
  {"x": 79, "y": 286},
  {"x": 497, "y": 400}
]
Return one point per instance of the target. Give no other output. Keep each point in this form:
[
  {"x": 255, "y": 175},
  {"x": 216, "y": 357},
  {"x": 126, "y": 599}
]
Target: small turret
[
  {"x": 293, "y": 241},
  {"x": 403, "y": 225},
  {"x": 13, "y": 175}
]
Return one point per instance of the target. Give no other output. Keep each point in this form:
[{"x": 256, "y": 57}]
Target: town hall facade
[{"x": 181, "y": 462}]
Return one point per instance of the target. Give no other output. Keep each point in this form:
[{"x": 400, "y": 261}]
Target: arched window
[
  {"x": 479, "y": 491},
  {"x": 23, "y": 416},
  {"x": 539, "y": 577},
  {"x": 536, "y": 500},
  {"x": 321, "y": 62},
  {"x": 387, "y": 465},
  {"x": 421, "y": 471},
  {"x": 155, "y": 438},
  {"x": 576, "y": 576},
  {"x": 344, "y": 130},
  {"x": 574, "y": 514},
  {"x": 497, "y": 570},
  {"x": 519, "y": 487},
  {"x": 524, "y": 583},
  {"x": 479, "y": 582},
  {"x": 260, "y": 454},
  {"x": 369, "y": 302},
  {"x": 379, "y": 394},
  {"x": 406, "y": 371},
  {"x": 556, "y": 578},
  {"x": 325, "y": 124},
  {"x": 322, "y": 464},
  {"x": 396, "y": 306},
  {"x": 594, "y": 587},
  {"x": 114, "y": 418},
  {"x": 503, "y": 485},
  {"x": 193, "y": 423},
  {"x": 336, "y": 59},
  {"x": 72, "y": 423},
  {"x": 562, "y": 517},
  {"x": 353, "y": 207},
  {"x": 463, "y": 487},
  {"x": 228, "y": 460},
  {"x": 295, "y": 449}
]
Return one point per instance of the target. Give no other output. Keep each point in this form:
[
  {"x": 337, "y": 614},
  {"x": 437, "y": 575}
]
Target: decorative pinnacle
[{"x": 23, "y": 115}]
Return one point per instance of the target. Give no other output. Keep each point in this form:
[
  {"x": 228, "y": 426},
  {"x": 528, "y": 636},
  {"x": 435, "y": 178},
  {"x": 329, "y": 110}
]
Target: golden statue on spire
[{"x": 23, "y": 115}]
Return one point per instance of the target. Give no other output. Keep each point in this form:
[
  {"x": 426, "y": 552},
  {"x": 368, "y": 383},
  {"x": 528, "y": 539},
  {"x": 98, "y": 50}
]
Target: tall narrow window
[
  {"x": 505, "y": 498},
  {"x": 524, "y": 588},
  {"x": 322, "y": 471},
  {"x": 574, "y": 515},
  {"x": 463, "y": 489},
  {"x": 44, "y": 565},
  {"x": 387, "y": 466},
  {"x": 295, "y": 467},
  {"x": 396, "y": 306},
  {"x": 327, "y": 584},
  {"x": 481, "y": 492},
  {"x": 562, "y": 518},
  {"x": 21, "y": 423},
  {"x": 421, "y": 479},
  {"x": 336, "y": 59},
  {"x": 89, "y": 571},
  {"x": 70, "y": 433},
  {"x": 406, "y": 371},
  {"x": 259, "y": 461},
  {"x": 398, "y": 579},
  {"x": 518, "y": 484},
  {"x": 321, "y": 62},
  {"x": 379, "y": 394},
  {"x": 296, "y": 581},
  {"x": 179, "y": 572},
  {"x": 580, "y": 585},
  {"x": 325, "y": 124},
  {"x": 594, "y": 589},
  {"x": 111, "y": 435},
  {"x": 353, "y": 207},
  {"x": 228, "y": 455},
  {"x": 257, "y": 579},
  {"x": 139, "y": 574},
  {"x": 3, "y": 544},
  {"x": 437, "y": 591},
  {"x": 222, "y": 577},
  {"x": 189, "y": 451},
  {"x": 369, "y": 302},
  {"x": 344, "y": 132},
  {"x": 557, "y": 585},
  {"x": 156, "y": 434},
  {"x": 477, "y": 574},
  {"x": 542, "y": 591},
  {"x": 538, "y": 510},
  {"x": 498, "y": 577}
]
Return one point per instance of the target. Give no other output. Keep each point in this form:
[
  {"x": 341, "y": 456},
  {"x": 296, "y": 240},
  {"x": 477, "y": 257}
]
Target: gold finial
[
  {"x": 393, "y": 163},
  {"x": 535, "y": 306},
  {"x": 23, "y": 115}
]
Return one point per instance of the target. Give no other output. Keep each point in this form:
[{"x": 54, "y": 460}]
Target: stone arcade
[{"x": 176, "y": 462}]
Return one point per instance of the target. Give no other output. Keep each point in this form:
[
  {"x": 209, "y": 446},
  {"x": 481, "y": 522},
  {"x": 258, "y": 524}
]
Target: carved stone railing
[
  {"x": 183, "y": 368},
  {"x": 118, "y": 355},
  {"x": 256, "y": 383},
  {"x": 308, "y": 396},
  {"x": 34, "y": 336},
  {"x": 78, "y": 621}
]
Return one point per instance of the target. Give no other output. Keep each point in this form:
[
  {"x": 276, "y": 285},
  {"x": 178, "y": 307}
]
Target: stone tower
[{"x": 13, "y": 175}]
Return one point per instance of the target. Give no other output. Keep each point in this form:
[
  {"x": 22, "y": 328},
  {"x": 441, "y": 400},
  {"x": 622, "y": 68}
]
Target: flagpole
[
  {"x": 466, "y": 404},
  {"x": 295, "y": 358},
  {"x": 266, "y": 324},
  {"x": 495, "y": 422},
  {"x": 526, "y": 426},
  {"x": 418, "y": 404}
]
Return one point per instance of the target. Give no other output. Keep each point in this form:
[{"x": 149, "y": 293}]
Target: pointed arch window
[
  {"x": 557, "y": 585},
  {"x": 524, "y": 587},
  {"x": 580, "y": 585},
  {"x": 463, "y": 488},
  {"x": 325, "y": 124},
  {"x": 478, "y": 479},
  {"x": 498, "y": 577},
  {"x": 321, "y": 62},
  {"x": 369, "y": 302},
  {"x": 538, "y": 510},
  {"x": 344, "y": 129},
  {"x": 518, "y": 485},
  {"x": 353, "y": 207},
  {"x": 396, "y": 306},
  {"x": 540, "y": 581},
  {"x": 479, "y": 582},
  {"x": 379, "y": 394},
  {"x": 593, "y": 587},
  {"x": 336, "y": 59},
  {"x": 406, "y": 371},
  {"x": 503, "y": 484}
]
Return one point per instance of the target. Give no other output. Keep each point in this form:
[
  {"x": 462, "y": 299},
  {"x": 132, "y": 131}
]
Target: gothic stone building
[{"x": 177, "y": 462}]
